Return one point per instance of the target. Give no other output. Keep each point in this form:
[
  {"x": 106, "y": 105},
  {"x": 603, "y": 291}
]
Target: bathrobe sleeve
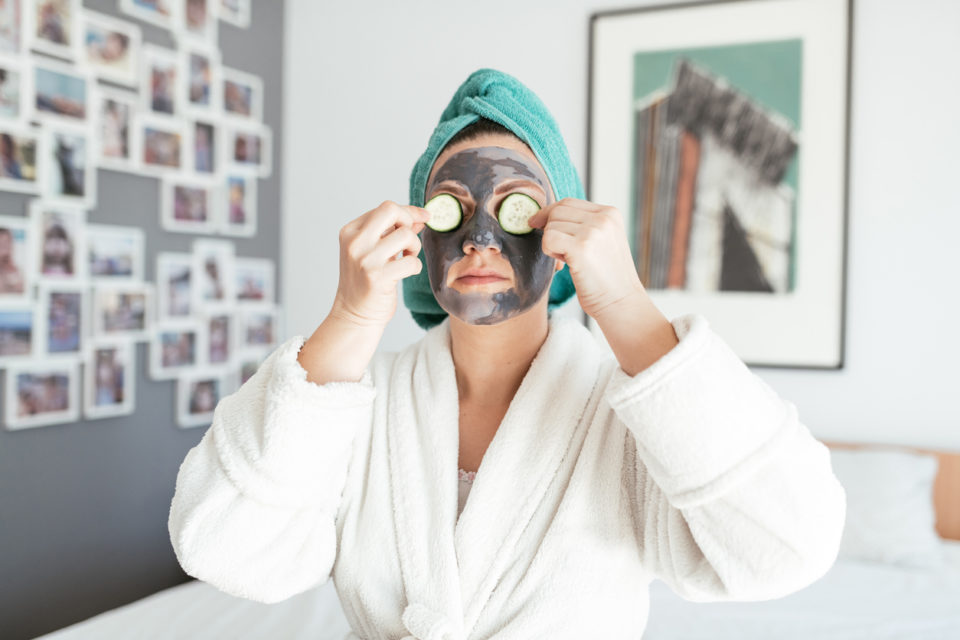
[
  {"x": 255, "y": 503},
  {"x": 733, "y": 498}
]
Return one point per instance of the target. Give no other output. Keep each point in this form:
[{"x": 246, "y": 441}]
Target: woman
[{"x": 594, "y": 473}]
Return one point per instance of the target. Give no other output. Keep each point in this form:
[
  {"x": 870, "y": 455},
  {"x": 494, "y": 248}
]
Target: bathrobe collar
[{"x": 450, "y": 567}]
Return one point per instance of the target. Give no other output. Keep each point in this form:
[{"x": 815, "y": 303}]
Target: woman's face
[{"x": 480, "y": 174}]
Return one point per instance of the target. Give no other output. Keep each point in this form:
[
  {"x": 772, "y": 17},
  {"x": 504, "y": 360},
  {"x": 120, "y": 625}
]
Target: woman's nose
[{"x": 480, "y": 233}]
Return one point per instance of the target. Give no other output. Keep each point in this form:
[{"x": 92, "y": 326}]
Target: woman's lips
[{"x": 478, "y": 279}]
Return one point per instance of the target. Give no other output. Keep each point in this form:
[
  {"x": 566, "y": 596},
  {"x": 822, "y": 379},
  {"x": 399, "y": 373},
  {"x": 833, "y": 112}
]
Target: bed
[{"x": 897, "y": 576}]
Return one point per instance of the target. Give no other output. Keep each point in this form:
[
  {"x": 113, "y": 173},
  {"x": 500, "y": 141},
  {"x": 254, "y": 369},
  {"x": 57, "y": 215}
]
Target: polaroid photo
[
  {"x": 159, "y": 84},
  {"x": 123, "y": 311},
  {"x": 255, "y": 280},
  {"x": 259, "y": 326},
  {"x": 242, "y": 95},
  {"x": 19, "y": 151},
  {"x": 222, "y": 340},
  {"x": 18, "y": 332},
  {"x": 111, "y": 48},
  {"x": 176, "y": 347},
  {"x": 214, "y": 279},
  {"x": 173, "y": 282},
  {"x": 115, "y": 254},
  {"x": 163, "y": 13},
  {"x": 235, "y": 12},
  {"x": 16, "y": 259},
  {"x": 115, "y": 145},
  {"x": 59, "y": 234},
  {"x": 200, "y": 21},
  {"x": 202, "y": 147},
  {"x": 198, "y": 393},
  {"x": 248, "y": 148},
  {"x": 238, "y": 204},
  {"x": 187, "y": 204},
  {"x": 62, "y": 325},
  {"x": 110, "y": 375},
  {"x": 162, "y": 143},
  {"x": 201, "y": 84},
  {"x": 61, "y": 92},
  {"x": 42, "y": 393},
  {"x": 53, "y": 27},
  {"x": 15, "y": 80},
  {"x": 66, "y": 160},
  {"x": 11, "y": 25}
]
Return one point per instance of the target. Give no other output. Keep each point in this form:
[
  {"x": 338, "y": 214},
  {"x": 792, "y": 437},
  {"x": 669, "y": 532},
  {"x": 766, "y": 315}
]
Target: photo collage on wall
[{"x": 81, "y": 91}]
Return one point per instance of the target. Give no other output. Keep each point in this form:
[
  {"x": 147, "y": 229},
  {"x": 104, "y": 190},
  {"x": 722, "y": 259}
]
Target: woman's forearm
[{"x": 339, "y": 350}]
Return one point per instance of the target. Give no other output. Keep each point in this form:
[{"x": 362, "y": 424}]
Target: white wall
[{"x": 367, "y": 81}]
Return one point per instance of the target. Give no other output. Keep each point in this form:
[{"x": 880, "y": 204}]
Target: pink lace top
[{"x": 466, "y": 481}]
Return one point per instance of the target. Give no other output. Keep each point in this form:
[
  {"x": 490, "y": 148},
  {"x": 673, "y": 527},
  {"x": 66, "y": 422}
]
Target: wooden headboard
[{"x": 946, "y": 486}]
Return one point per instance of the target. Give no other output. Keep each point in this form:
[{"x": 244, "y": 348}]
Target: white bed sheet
[{"x": 853, "y": 601}]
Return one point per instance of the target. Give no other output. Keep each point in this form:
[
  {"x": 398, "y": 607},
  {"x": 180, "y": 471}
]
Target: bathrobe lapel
[{"x": 451, "y": 567}]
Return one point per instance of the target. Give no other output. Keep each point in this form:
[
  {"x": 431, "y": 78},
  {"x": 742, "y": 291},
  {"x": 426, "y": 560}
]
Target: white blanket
[{"x": 693, "y": 471}]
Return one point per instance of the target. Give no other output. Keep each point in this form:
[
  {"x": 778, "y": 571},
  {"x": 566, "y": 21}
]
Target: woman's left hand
[{"x": 591, "y": 240}]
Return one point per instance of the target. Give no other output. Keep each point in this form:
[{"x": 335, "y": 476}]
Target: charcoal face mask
[{"x": 480, "y": 171}]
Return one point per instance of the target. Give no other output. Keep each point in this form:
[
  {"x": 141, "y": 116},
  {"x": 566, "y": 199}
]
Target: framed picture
[
  {"x": 159, "y": 88},
  {"x": 123, "y": 311},
  {"x": 42, "y": 393},
  {"x": 235, "y": 12},
  {"x": 187, "y": 204},
  {"x": 163, "y": 13},
  {"x": 11, "y": 26},
  {"x": 115, "y": 254},
  {"x": 174, "y": 278},
  {"x": 18, "y": 333},
  {"x": 221, "y": 340},
  {"x": 16, "y": 259},
  {"x": 69, "y": 175},
  {"x": 110, "y": 375},
  {"x": 53, "y": 27},
  {"x": 176, "y": 348},
  {"x": 115, "y": 147},
  {"x": 248, "y": 361},
  {"x": 238, "y": 205},
  {"x": 61, "y": 92},
  {"x": 111, "y": 48},
  {"x": 200, "y": 20},
  {"x": 214, "y": 279},
  {"x": 19, "y": 153},
  {"x": 63, "y": 319},
  {"x": 202, "y": 147},
  {"x": 198, "y": 394},
  {"x": 242, "y": 95},
  {"x": 60, "y": 241},
  {"x": 255, "y": 280},
  {"x": 201, "y": 84},
  {"x": 720, "y": 131},
  {"x": 162, "y": 143},
  {"x": 249, "y": 148},
  {"x": 259, "y": 326},
  {"x": 14, "y": 87}
]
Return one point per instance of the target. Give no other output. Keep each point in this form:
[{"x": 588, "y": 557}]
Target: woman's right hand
[{"x": 369, "y": 267}]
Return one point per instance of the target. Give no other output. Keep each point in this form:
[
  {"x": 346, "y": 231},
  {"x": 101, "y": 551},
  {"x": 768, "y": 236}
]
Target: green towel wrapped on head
[{"x": 503, "y": 99}]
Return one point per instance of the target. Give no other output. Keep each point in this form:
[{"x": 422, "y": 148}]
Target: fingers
[
  {"x": 402, "y": 268},
  {"x": 388, "y": 216},
  {"x": 558, "y": 244},
  {"x": 400, "y": 239},
  {"x": 569, "y": 209}
]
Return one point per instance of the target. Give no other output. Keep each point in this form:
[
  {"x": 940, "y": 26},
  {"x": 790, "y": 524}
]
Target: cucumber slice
[
  {"x": 515, "y": 210},
  {"x": 445, "y": 212}
]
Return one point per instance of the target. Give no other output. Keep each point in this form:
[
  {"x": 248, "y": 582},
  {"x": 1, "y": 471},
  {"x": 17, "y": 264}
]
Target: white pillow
[{"x": 890, "y": 511}]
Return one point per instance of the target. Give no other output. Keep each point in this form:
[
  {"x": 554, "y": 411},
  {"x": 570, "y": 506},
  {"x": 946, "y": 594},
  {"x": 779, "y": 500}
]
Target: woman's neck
[{"x": 491, "y": 360}]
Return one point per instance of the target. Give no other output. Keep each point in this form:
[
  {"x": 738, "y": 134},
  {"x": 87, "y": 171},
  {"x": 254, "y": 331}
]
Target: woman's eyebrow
[
  {"x": 452, "y": 185},
  {"x": 517, "y": 182}
]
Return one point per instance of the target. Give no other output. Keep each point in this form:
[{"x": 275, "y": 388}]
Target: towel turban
[{"x": 496, "y": 96}]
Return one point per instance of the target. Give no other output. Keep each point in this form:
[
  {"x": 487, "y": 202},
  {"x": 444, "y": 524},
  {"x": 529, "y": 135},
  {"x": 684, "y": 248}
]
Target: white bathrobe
[{"x": 693, "y": 471}]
